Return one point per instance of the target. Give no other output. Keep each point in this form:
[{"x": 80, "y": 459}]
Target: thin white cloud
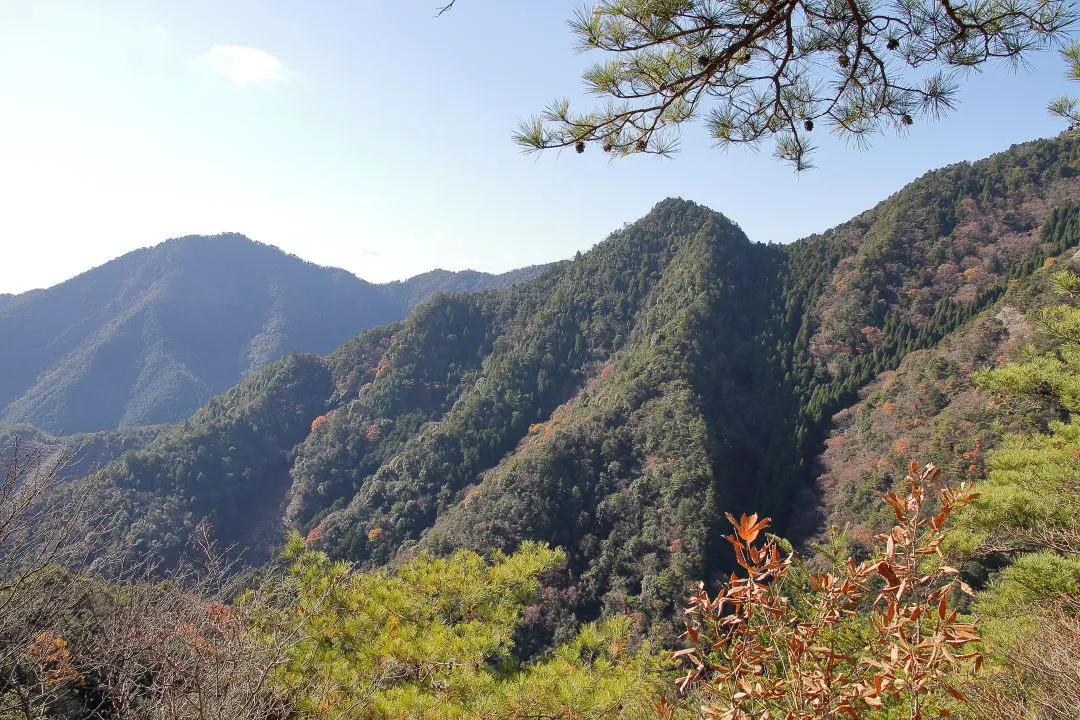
[{"x": 244, "y": 65}]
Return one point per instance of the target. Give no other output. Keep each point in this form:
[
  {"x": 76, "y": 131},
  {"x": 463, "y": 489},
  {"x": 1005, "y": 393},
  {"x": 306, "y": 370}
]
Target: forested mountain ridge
[
  {"x": 150, "y": 336},
  {"x": 919, "y": 265},
  {"x": 616, "y": 406},
  {"x": 931, "y": 406},
  {"x": 598, "y": 379},
  {"x": 413, "y": 291}
]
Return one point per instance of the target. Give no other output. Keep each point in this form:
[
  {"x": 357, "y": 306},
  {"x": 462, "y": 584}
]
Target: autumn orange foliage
[
  {"x": 316, "y": 533},
  {"x": 758, "y": 652},
  {"x": 54, "y": 660}
]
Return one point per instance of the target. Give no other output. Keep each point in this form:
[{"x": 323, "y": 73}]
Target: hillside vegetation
[
  {"x": 616, "y": 406},
  {"x": 498, "y": 506}
]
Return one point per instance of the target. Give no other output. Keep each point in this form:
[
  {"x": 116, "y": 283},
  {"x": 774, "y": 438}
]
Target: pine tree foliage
[
  {"x": 1067, "y": 107},
  {"x": 435, "y": 638},
  {"x": 777, "y": 70},
  {"x": 1027, "y": 522},
  {"x": 1030, "y": 497}
]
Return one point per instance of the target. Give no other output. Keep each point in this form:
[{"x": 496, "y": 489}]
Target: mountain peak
[
  {"x": 226, "y": 244},
  {"x": 218, "y": 237},
  {"x": 688, "y": 210}
]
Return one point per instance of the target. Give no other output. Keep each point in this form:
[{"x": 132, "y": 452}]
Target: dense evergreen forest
[{"x": 499, "y": 505}]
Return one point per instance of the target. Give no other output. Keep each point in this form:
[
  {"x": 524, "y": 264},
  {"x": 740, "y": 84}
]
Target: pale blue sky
[{"x": 369, "y": 135}]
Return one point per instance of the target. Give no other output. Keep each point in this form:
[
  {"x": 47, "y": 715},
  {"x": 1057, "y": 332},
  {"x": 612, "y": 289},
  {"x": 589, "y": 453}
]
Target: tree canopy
[{"x": 757, "y": 70}]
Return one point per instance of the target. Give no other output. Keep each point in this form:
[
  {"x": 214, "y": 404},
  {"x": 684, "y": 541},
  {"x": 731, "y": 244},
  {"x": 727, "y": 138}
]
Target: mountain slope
[
  {"x": 929, "y": 408},
  {"x": 619, "y": 404},
  {"x": 632, "y": 475},
  {"x": 149, "y": 337},
  {"x": 77, "y": 455},
  {"x": 410, "y": 293}
]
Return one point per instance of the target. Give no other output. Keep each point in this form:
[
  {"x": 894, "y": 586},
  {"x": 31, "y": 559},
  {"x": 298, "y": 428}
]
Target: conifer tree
[
  {"x": 782, "y": 69},
  {"x": 1028, "y": 519},
  {"x": 436, "y": 639}
]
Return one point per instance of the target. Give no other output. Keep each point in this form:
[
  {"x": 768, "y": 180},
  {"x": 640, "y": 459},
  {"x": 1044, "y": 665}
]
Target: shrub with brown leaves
[{"x": 876, "y": 635}]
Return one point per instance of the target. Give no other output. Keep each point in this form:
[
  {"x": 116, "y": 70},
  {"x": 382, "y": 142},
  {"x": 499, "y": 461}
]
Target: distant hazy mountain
[
  {"x": 76, "y": 455},
  {"x": 149, "y": 337}
]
